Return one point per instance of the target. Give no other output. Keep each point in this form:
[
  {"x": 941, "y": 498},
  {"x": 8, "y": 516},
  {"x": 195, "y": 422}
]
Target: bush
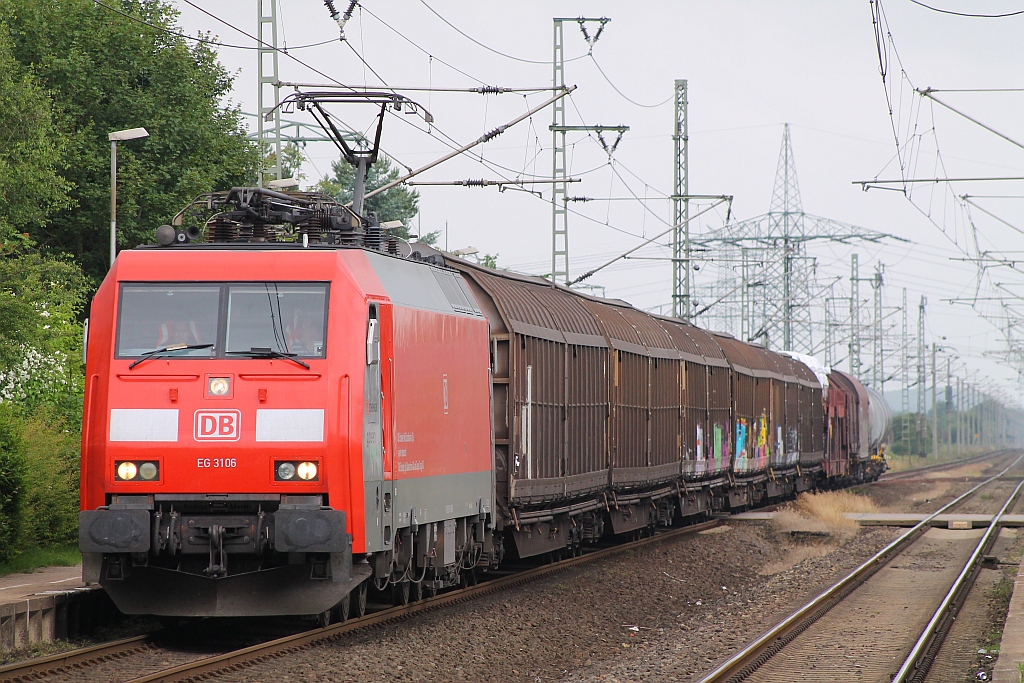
[
  {"x": 49, "y": 499},
  {"x": 41, "y": 297},
  {"x": 12, "y": 460}
]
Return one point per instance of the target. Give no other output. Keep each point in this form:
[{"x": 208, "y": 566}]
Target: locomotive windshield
[
  {"x": 287, "y": 318},
  {"x": 234, "y": 319}
]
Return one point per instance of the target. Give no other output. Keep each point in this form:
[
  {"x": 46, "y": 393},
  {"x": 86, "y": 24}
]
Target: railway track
[
  {"x": 151, "y": 652},
  {"x": 820, "y": 639},
  {"x": 149, "y": 645},
  {"x": 939, "y": 467}
]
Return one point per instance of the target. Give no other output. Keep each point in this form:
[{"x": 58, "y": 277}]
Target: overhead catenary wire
[
  {"x": 419, "y": 47},
  {"x": 643, "y": 244},
  {"x": 622, "y": 94},
  {"x": 465, "y": 148},
  {"x": 967, "y": 14},
  {"x": 488, "y": 47},
  {"x": 265, "y": 45},
  {"x": 197, "y": 39}
]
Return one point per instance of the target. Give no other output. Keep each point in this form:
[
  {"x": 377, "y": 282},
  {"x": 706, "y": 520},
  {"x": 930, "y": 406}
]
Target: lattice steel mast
[
  {"x": 269, "y": 137},
  {"x": 559, "y": 212},
  {"x": 779, "y": 284},
  {"x": 682, "y": 306}
]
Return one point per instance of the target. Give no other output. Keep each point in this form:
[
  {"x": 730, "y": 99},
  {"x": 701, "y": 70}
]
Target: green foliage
[
  {"x": 40, "y": 398},
  {"x": 489, "y": 261},
  {"x": 49, "y": 501},
  {"x": 41, "y": 297},
  {"x": 12, "y": 464},
  {"x": 105, "y": 72},
  {"x": 400, "y": 203},
  {"x": 33, "y": 151},
  {"x": 292, "y": 158},
  {"x": 38, "y": 479}
]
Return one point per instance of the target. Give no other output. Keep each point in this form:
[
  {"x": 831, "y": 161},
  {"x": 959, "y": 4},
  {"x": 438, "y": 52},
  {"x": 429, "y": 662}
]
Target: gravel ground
[
  {"x": 664, "y": 611},
  {"x": 668, "y": 611}
]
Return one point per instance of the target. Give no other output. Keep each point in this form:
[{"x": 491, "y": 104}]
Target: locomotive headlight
[
  {"x": 306, "y": 470},
  {"x": 296, "y": 471},
  {"x": 148, "y": 470},
  {"x": 126, "y": 471},
  {"x": 145, "y": 470},
  {"x": 219, "y": 386},
  {"x": 286, "y": 471}
]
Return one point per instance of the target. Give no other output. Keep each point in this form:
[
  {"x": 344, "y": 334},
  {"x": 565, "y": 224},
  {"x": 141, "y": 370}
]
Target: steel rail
[
  {"x": 247, "y": 656},
  {"x": 755, "y": 654},
  {"x": 919, "y": 661},
  {"x": 85, "y": 656}
]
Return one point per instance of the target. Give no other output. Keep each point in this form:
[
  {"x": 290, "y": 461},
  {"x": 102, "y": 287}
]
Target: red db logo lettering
[{"x": 218, "y": 425}]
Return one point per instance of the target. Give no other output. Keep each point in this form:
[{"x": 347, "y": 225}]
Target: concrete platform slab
[
  {"x": 17, "y": 587},
  {"x": 49, "y": 604},
  {"x": 1011, "y": 648}
]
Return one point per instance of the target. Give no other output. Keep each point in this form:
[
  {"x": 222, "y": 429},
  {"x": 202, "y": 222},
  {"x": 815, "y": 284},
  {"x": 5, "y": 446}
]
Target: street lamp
[{"x": 130, "y": 134}]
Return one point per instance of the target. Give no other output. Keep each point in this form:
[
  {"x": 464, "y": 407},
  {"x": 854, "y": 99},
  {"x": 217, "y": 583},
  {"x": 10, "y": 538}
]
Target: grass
[
  {"x": 823, "y": 512},
  {"x": 898, "y": 462},
  {"x": 34, "y": 558},
  {"x": 831, "y": 506}
]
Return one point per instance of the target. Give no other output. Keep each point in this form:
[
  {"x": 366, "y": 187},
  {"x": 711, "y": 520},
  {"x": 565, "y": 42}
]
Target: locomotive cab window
[
  {"x": 283, "y": 317},
  {"x": 156, "y": 316},
  {"x": 238, "y": 320}
]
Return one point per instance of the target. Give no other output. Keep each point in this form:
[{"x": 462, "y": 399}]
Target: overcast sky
[{"x": 751, "y": 67}]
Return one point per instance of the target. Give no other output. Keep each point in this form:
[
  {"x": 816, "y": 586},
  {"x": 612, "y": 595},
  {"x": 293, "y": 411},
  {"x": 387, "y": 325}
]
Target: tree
[
  {"x": 33, "y": 151},
  {"x": 106, "y": 72},
  {"x": 291, "y": 161},
  {"x": 397, "y": 204}
]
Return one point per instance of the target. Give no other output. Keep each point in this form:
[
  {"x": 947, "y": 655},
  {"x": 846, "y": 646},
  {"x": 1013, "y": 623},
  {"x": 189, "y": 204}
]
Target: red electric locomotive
[{"x": 268, "y": 424}]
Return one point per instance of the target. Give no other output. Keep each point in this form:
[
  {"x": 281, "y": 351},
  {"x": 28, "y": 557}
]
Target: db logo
[{"x": 218, "y": 425}]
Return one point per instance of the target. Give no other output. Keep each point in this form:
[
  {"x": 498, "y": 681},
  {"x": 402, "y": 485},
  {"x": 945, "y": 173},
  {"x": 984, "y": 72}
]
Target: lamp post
[{"x": 130, "y": 134}]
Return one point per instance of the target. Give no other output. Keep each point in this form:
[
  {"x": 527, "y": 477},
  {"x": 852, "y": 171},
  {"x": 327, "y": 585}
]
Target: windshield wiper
[
  {"x": 266, "y": 352},
  {"x": 155, "y": 353}
]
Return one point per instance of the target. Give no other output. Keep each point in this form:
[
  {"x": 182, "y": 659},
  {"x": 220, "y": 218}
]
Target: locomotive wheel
[
  {"x": 400, "y": 594},
  {"x": 342, "y": 608},
  {"x": 430, "y": 591},
  {"x": 359, "y": 605},
  {"x": 417, "y": 592},
  {"x": 323, "y": 620}
]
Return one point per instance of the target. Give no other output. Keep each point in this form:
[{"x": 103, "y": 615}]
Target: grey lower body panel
[
  {"x": 272, "y": 592},
  {"x": 422, "y": 500}
]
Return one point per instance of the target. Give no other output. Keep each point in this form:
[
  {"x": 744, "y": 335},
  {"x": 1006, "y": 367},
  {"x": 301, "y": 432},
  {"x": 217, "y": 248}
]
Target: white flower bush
[{"x": 38, "y": 378}]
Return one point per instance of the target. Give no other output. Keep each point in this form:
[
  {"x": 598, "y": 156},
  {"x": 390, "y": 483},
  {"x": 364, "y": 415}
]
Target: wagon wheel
[{"x": 400, "y": 594}]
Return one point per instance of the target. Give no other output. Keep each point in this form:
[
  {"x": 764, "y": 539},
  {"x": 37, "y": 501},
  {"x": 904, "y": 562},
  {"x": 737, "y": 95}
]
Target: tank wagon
[{"x": 299, "y": 408}]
